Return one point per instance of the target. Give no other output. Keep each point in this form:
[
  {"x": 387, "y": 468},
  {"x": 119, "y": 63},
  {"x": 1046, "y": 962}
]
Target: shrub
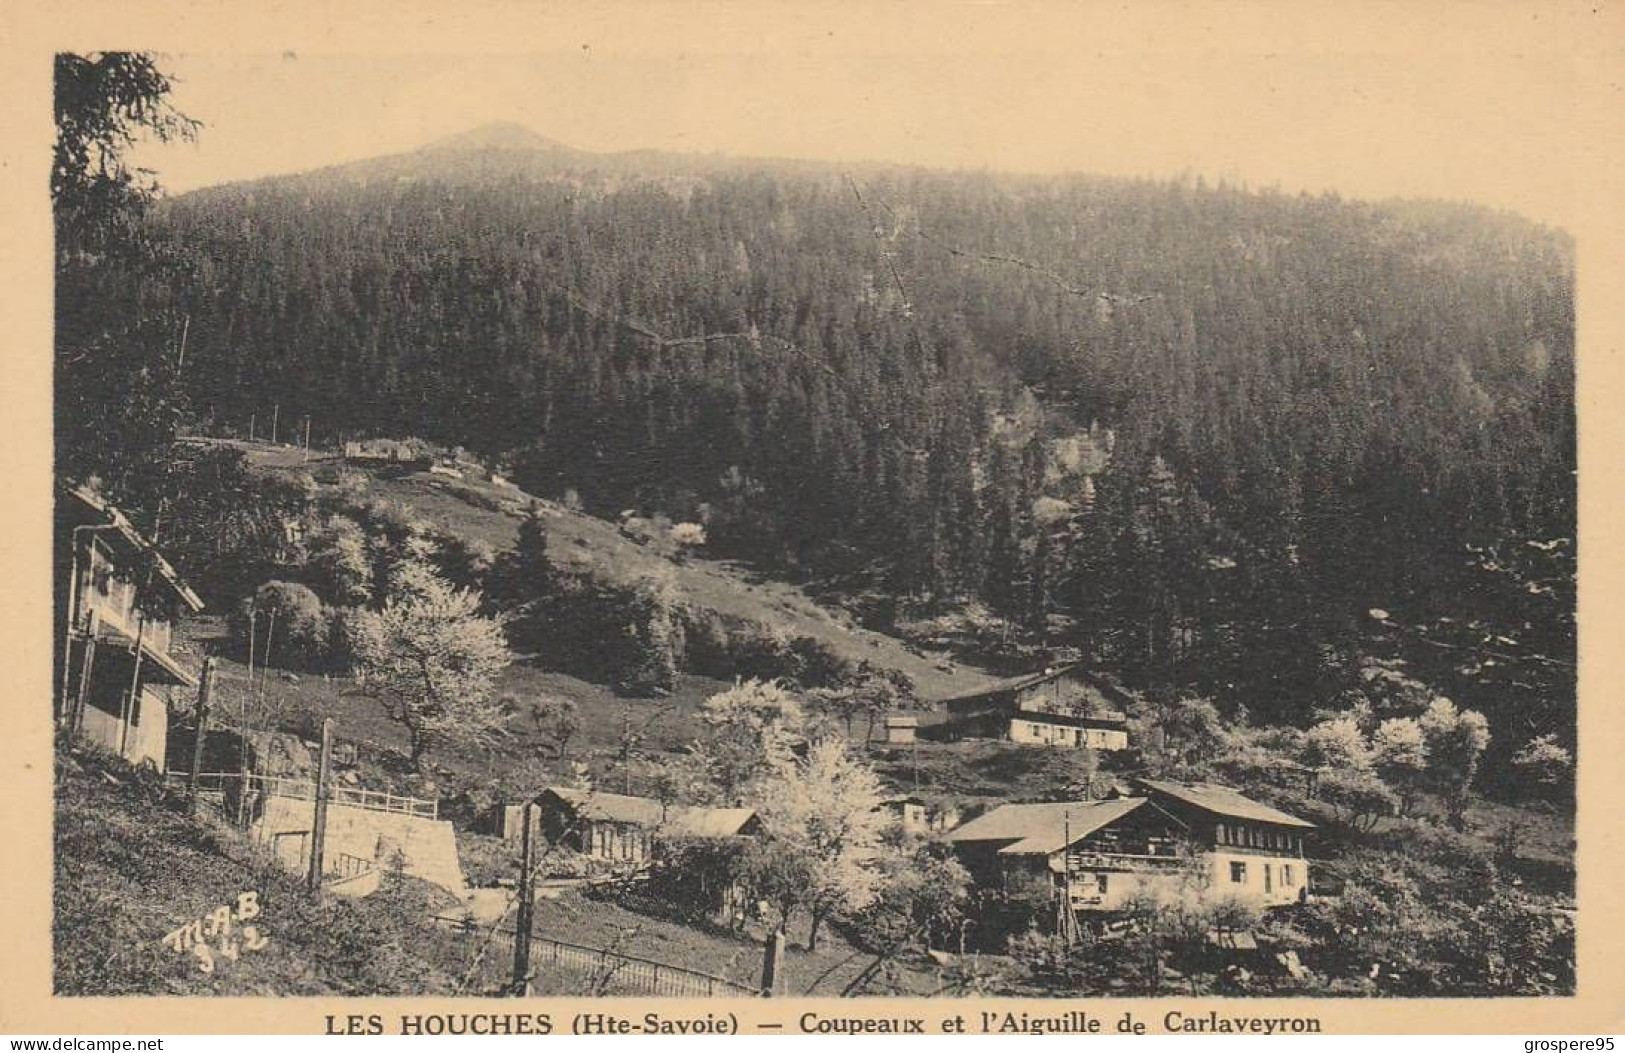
[
  {"x": 487, "y": 860},
  {"x": 684, "y": 538},
  {"x": 339, "y": 565},
  {"x": 1456, "y": 739},
  {"x": 343, "y": 625},
  {"x": 465, "y": 562},
  {"x": 653, "y": 635},
  {"x": 1545, "y": 764},
  {"x": 812, "y": 663},
  {"x": 1357, "y": 798},
  {"x": 1337, "y": 744},
  {"x": 288, "y": 621}
]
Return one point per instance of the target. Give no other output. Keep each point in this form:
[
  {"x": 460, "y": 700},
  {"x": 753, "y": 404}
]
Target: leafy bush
[
  {"x": 338, "y": 564},
  {"x": 464, "y": 561},
  {"x": 1545, "y": 765},
  {"x": 1357, "y": 798},
  {"x": 288, "y": 622},
  {"x": 487, "y": 860}
]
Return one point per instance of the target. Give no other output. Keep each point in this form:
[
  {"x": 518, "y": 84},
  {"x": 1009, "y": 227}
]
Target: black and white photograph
[{"x": 814, "y": 519}]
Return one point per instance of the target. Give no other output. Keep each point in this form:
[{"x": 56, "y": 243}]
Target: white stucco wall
[
  {"x": 1286, "y": 880},
  {"x": 1036, "y": 733},
  {"x": 147, "y": 741},
  {"x": 1270, "y": 881}
]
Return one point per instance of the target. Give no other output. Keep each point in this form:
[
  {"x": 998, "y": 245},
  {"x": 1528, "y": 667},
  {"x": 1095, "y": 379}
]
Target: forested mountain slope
[{"x": 1237, "y": 441}]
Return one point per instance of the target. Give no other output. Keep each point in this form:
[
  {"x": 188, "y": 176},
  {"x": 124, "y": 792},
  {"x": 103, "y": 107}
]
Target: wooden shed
[{"x": 902, "y": 730}]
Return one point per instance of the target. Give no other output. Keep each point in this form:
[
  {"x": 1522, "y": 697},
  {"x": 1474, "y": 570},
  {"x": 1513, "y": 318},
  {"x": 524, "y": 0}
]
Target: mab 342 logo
[{"x": 221, "y": 933}]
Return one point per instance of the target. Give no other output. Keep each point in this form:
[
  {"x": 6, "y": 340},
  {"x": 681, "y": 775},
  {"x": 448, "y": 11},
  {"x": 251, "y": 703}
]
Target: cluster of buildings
[{"x": 1149, "y": 836}]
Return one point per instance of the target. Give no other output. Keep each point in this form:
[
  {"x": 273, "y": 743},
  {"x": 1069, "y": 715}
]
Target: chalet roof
[
  {"x": 101, "y": 512},
  {"x": 708, "y": 822},
  {"x": 902, "y": 722},
  {"x": 1026, "y": 680},
  {"x": 1043, "y": 829},
  {"x": 681, "y": 820},
  {"x": 1221, "y": 800}
]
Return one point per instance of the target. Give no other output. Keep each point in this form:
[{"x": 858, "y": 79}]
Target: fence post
[
  {"x": 527, "y": 904},
  {"x": 204, "y": 689},
  {"x": 318, "y": 826},
  {"x": 772, "y": 963}
]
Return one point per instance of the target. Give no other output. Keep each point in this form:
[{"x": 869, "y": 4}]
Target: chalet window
[
  {"x": 1238, "y": 873},
  {"x": 1286, "y": 875},
  {"x": 1269, "y": 885},
  {"x": 1100, "y": 883}
]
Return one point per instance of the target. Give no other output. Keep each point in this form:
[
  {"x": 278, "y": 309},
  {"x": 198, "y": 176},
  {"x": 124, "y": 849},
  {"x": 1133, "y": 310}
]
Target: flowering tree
[
  {"x": 433, "y": 661},
  {"x": 1338, "y": 744},
  {"x": 1545, "y": 762},
  {"x": 1456, "y": 739},
  {"x": 823, "y": 822},
  {"x": 753, "y": 726},
  {"x": 1401, "y": 751}
]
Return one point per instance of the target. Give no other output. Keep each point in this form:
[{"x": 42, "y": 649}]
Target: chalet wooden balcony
[{"x": 114, "y": 637}]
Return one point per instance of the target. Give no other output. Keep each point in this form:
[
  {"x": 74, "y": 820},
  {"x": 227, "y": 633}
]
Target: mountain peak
[{"x": 498, "y": 135}]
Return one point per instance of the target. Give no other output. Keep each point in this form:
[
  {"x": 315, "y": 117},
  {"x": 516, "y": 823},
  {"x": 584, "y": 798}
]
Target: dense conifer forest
[{"x": 1245, "y": 443}]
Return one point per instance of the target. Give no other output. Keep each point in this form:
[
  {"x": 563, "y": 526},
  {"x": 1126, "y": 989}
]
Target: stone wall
[{"x": 428, "y": 847}]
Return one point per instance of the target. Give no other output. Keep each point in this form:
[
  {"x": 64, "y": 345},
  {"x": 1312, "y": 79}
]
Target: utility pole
[
  {"x": 307, "y": 436},
  {"x": 133, "y": 700},
  {"x": 318, "y": 827},
  {"x": 1066, "y": 923},
  {"x": 251, "y": 417},
  {"x": 276, "y": 408},
  {"x": 772, "y": 963},
  {"x": 242, "y": 719},
  {"x": 527, "y": 903},
  {"x": 180, "y": 361},
  {"x": 204, "y": 689},
  {"x": 265, "y": 667}
]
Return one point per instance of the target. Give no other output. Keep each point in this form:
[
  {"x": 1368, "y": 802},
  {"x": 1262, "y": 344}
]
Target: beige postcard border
[{"x": 1589, "y": 35}]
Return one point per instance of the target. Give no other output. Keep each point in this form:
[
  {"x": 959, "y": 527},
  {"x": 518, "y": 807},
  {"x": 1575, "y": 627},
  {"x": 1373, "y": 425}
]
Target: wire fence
[{"x": 609, "y": 971}]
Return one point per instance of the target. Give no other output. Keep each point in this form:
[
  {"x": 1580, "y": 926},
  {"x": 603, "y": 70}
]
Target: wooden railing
[
  {"x": 344, "y": 865},
  {"x": 1123, "y": 861},
  {"x": 300, "y": 789},
  {"x": 612, "y": 971}
]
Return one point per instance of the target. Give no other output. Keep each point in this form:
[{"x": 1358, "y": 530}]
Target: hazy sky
[{"x": 1447, "y": 121}]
